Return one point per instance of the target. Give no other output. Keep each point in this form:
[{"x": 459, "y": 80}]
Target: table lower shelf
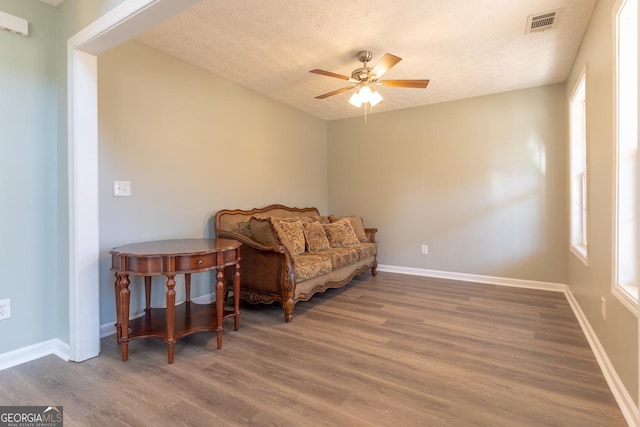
[{"x": 189, "y": 318}]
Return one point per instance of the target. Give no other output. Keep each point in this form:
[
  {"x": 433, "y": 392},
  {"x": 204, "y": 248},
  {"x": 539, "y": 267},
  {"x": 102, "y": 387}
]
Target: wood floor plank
[{"x": 391, "y": 350}]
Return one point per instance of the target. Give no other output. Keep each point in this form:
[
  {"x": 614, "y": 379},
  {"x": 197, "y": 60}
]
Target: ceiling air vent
[{"x": 543, "y": 21}]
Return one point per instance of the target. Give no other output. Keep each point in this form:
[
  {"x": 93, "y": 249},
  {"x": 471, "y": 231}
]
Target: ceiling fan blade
[
  {"x": 335, "y": 92},
  {"x": 385, "y": 64},
  {"x": 330, "y": 74},
  {"x": 418, "y": 84}
]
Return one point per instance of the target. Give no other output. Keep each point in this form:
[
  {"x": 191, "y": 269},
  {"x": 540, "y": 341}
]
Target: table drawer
[{"x": 196, "y": 262}]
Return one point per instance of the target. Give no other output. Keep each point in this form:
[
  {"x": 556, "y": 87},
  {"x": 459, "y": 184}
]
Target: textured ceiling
[{"x": 466, "y": 48}]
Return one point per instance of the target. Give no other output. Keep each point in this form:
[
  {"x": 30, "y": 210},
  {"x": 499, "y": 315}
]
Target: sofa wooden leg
[
  {"x": 374, "y": 269},
  {"x": 288, "y": 310}
]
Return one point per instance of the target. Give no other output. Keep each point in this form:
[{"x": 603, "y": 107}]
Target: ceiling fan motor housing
[
  {"x": 361, "y": 74},
  {"x": 364, "y": 55}
]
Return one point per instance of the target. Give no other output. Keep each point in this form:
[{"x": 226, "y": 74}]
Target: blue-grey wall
[
  {"x": 33, "y": 168},
  {"x": 28, "y": 173}
]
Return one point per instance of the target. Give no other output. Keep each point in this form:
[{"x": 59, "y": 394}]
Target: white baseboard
[
  {"x": 620, "y": 393},
  {"x": 33, "y": 352},
  {"x": 491, "y": 280},
  {"x": 107, "y": 329},
  {"x": 625, "y": 402}
]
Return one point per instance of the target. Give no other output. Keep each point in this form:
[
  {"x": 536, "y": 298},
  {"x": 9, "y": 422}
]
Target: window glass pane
[
  {"x": 627, "y": 249},
  {"x": 578, "y": 166}
]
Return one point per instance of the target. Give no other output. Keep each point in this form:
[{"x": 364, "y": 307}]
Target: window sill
[
  {"x": 628, "y": 296},
  {"x": 580, "y": 251}
]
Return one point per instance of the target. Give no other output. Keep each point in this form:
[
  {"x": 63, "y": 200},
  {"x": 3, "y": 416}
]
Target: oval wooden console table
[{"x": 168, "y": 258}]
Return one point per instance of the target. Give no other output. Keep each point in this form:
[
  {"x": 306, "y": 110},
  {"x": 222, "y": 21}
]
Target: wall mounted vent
[
  {"x": 14, "y": 24},
  {"x": 543, "y": 21}
]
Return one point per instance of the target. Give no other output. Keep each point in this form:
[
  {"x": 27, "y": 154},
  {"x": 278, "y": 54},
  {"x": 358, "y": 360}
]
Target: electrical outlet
[
  {"x": 5, "y": 309},
  {"x": 603, "y": 309},
  {"x": 122, "y": 188},
  {"x": 425, "y": 249}
]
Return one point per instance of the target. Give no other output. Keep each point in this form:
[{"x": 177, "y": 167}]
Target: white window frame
[
  {"x": 579, "y": 168},
  {"x": 625, "y": 281}
]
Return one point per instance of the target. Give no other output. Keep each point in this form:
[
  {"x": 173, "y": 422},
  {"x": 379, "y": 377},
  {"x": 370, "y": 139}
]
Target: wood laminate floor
[{"x": 391, "y": 350}]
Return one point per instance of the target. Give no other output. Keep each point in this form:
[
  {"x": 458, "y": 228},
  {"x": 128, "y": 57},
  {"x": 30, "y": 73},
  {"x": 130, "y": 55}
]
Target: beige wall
[
  {"x": 192, "y": 144},
  {"x": 481, "y": 181},
  {"x": 619, "y": 333}
]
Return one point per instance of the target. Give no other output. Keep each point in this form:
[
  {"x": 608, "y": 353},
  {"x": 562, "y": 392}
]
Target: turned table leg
[
  {"x": 187, "y": 287},
  {"x": 236, "y": 297},
  {"x": 171, "y": 314},
  {"x": 219, "y": 305},
  {"x": 118, "y": 324},
  {"x": 147, "y": 293},
  {"x": 124, "y": 298}
]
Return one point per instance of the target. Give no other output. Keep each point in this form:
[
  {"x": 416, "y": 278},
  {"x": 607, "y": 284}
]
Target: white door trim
[{"x": 122, "y": 23}]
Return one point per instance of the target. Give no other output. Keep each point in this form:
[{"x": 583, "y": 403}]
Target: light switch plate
[
  {"x": 5, "y": 309},
  {"x": 121, "y": 188}
]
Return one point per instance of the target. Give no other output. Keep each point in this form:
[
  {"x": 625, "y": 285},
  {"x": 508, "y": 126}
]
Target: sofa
[{"x": 289, "y": 254}]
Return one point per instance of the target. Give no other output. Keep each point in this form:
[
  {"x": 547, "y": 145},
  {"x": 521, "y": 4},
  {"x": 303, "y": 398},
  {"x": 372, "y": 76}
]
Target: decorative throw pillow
[
  {"x": 340, "y": 233},
  {"x": 244, "y": 228},
  {"x": 321, "y": 219},
  {"x": 262, "y": 231},
  {"x": 302, "y": 219},
  {"x": 356, "y": 223},
  {"x": 316, "y": 237},
  {"x": 291, "y": 235}
]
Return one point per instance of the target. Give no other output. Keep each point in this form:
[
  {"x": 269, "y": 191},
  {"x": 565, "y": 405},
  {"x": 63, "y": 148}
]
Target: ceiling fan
[{"x": 365, "y": 78}]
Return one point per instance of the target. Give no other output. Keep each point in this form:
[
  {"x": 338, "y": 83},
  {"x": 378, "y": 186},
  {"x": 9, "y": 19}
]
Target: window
[
  {"x": 626, "y": 249},
  {"x": 578, "y": 169}
]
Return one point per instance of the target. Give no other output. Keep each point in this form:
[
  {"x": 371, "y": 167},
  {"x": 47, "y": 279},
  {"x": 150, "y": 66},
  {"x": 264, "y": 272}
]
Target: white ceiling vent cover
[{"x": 543, "y": 21}]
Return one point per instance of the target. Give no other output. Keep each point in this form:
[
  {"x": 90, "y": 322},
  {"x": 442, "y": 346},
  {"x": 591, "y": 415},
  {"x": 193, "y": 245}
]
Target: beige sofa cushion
[
  {"x": 342, "y": 257},
  {"x": 244, "y": 228},
  {"x": 321, "y": 219},
  {"x": 340, "y": 233},
  {"x": 291, "y": 235},
  {"x": 366, "y": 250},
  {"x": 315, "y": 237},
  {"x": 262, "y": 231},
  {"x": 303, "y": 219},
  {"x": 356, "y": 223},
  {"x": 309, "y": 266}
]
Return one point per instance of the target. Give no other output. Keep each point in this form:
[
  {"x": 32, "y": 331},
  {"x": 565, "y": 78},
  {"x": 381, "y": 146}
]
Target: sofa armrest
[
  {"x": 270, "y": 276},
  {"x": 246, "y": 240},
  {"x": 371, "y": 234}
]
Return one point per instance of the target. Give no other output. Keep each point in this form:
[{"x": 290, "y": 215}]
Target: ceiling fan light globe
[
  {"x": 365, "y": 94},
  {"x": 376, "y": 98},
  {"x": 355, "y": 100}
]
